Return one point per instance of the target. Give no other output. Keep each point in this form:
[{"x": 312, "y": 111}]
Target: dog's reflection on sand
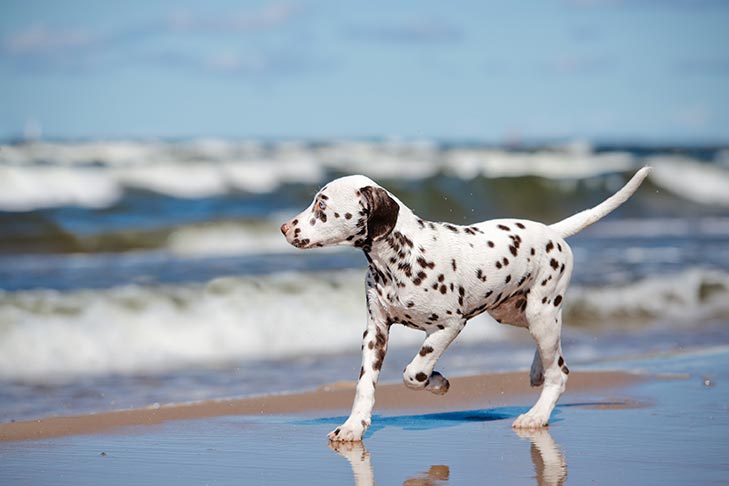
[{"x": 549, "y": 462}]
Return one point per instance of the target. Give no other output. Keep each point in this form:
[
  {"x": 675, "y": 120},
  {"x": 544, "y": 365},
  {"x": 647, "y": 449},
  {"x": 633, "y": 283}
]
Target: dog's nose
[{"x": 284, "y": 228}]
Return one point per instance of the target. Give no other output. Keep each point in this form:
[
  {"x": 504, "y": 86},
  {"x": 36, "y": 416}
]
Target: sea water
[{"x": 143, "y": 272}]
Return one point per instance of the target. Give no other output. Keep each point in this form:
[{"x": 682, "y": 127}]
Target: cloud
[
  {"x": 416, "y": 31},
  {"x": 269, "y": 17},
  {"x": 40, "y": 39},
  {"x": 576, "y": 64},
  {"x": 661, "y": 4},
  {"x": 40, "y": 48},
  {"x": 703, "y": 66},
  {"x": 253, "y": 64}
]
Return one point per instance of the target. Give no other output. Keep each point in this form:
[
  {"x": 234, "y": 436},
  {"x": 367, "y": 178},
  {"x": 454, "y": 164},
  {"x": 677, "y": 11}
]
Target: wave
[
  {"x": 686, "y": 298},
  {"x": 701, "y": 183},
  {"x": 48, "y": 336},
  {"x": 98, "y": 174},
  {"x": 228, "y": 238}
]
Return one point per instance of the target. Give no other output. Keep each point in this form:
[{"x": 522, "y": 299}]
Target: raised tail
[{"x": 576, "y": 223}]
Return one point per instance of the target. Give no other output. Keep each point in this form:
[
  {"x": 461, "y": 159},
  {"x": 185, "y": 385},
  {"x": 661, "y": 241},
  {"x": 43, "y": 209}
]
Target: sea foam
[
  {"x": 48, "y": 336},
  {"x": 97, "y": 174}
]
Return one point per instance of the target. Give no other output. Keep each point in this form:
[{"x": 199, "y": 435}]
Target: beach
[
  {"x": 156, "y": 327},
  {"x": 655, "y": 420}
]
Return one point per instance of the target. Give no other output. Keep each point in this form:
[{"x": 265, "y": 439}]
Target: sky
[{"x": 504, "y": 72}]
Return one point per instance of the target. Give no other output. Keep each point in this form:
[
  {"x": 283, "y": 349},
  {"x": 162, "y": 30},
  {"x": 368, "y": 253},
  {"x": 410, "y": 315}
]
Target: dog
[{"x": 434, "y": 277}]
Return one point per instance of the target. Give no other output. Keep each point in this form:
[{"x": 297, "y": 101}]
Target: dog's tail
[{"x": 576, "y": 223}]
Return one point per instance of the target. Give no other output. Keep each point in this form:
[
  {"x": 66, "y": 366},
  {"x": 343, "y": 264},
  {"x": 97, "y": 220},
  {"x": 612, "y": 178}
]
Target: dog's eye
[{"x": 322, "y": 205}]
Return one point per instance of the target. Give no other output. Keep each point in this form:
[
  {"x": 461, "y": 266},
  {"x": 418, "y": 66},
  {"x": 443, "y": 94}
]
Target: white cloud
[
  {"x": 268, "y": 17},
  {"x": 40, "y": 39}
]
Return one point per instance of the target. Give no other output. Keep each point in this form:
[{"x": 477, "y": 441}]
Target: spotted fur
[{"x": 434, "y": 277}]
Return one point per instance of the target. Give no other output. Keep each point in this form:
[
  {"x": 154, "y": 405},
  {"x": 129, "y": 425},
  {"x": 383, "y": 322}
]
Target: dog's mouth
[{"x": 302, "y": 244}]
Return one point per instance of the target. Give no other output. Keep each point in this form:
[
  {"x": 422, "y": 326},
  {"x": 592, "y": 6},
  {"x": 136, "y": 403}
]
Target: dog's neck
[{"x": 396, "y": 251}]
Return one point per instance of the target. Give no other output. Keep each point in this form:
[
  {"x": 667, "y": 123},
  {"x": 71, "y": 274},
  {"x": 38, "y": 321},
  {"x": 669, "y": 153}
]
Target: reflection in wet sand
[
  {"x": 359, "y": 458},
  {"x": 434, "y": 476},
  {"x": 549, "y": 462}
]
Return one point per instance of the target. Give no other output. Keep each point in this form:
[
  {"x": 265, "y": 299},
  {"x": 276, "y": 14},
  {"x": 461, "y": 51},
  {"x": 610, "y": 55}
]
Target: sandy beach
[
  {"x": 656, "y": 420},
  {"x": 467, "y": 392}
]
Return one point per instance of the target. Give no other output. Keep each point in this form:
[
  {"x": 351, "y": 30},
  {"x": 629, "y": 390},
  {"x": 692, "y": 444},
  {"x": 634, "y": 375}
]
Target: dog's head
[{"x": 350, "y": 211}]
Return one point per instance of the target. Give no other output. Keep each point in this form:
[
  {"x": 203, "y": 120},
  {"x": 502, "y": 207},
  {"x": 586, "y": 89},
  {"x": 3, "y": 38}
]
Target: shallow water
[
  {"x": 140, "y": 272},
  {"x": 674, "y": 435}
]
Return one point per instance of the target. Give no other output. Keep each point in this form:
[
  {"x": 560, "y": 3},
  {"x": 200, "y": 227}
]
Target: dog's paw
[
  {"x": 437, "y": 384},
  {"x": 350, "y": 431},
  {"x": 530, "y": 421}
]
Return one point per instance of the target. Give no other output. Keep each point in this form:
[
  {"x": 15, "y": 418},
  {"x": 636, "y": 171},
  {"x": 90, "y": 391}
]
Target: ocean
[{"x": 140, "y": 272}]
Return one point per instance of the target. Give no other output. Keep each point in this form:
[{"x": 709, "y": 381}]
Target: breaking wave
[
  {"x": 49, "y": 335},
  {"x": 99, "y": 174}
]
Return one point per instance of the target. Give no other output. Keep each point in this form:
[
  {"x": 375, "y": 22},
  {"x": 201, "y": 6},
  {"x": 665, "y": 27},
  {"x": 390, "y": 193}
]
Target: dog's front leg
[
  {"x": 374, "y": 347},
  {"x": 419, "y": 374}
]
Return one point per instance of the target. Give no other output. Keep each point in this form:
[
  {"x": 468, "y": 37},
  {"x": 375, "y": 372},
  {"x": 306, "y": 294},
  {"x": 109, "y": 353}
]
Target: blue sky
[{"x": 618, "y": 70}]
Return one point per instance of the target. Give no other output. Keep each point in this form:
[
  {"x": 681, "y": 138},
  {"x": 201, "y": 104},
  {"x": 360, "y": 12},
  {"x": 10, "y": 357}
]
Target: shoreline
[{"x": 492, "y": 389}]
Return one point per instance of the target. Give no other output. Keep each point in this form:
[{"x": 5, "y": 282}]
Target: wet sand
[
  {"x": 660, "y": 420},
  {"x": 465, "y": 392}
]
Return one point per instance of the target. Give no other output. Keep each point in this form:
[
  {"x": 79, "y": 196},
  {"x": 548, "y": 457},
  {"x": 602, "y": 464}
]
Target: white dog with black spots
[{"x": 434, "y": 277}]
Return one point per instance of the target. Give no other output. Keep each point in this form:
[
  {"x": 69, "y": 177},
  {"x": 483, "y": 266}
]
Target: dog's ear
[{"x": 383, "y": 212}]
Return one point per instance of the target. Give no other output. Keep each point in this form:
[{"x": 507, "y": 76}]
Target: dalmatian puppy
[{"x": 434, "y": 277}]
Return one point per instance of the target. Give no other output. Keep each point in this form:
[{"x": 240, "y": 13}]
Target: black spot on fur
[
  {"x": 503, "y": 227},
  {"x": 426, "y": 350},
  {"x": 557, "y": 300},
  {"x": 421, "y": 376},
  {"x": 498, "y": 265},
  {"x": 453, "y": 264},
  {"x": 554, "y": 263},
  {"x": 513, "y": 250},
  {"x": 491, "y": 244},
  {"x": 519, "y": 225},
  {"x": 550, "y": 246},
  {"x": 508, "y": 279},
  {"x": 451, "y": 227}
]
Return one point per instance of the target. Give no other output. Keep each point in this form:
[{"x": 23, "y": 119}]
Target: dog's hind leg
[
  {"x": 545, "y": 326},
  {"x": 536, "y": 374}
]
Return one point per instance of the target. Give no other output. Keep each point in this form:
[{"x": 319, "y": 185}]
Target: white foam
[
  {"x": 228, "y": 238},
  {"x": 685, "y": 298},
  {"x": 48, "y": 335},
  {"x": 702, "y": 183},
  {"x": 27, "y": 188},
  {"x": 661, "y": 227},
  {"x": 95, "y": 174}
]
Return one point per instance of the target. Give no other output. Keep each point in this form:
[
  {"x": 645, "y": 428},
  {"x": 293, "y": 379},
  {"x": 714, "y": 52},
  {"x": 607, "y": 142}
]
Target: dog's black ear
[{"x": 383, "y": 212}]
